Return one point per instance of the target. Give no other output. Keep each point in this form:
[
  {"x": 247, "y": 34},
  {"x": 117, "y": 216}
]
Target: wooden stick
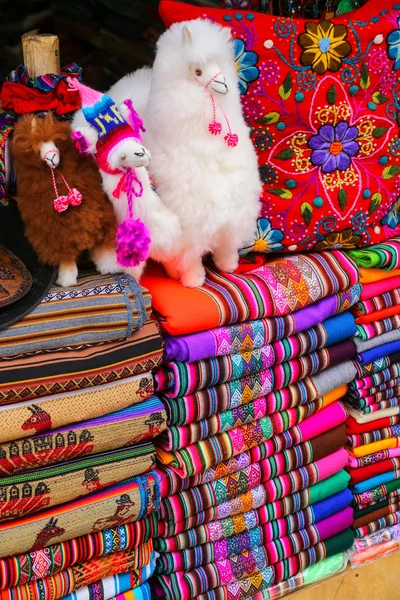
[{"x": 41, "y": 53}]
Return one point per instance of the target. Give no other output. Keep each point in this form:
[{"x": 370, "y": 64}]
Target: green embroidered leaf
[
  {"x": 375, "y": 202},
  {"x": 379, "y": 98},
  {"x": 342, "y": 196},
  {"x": 281, "y": 192},
  {"x": 271, "y": 117},
  {"x": 331, "y": 95},
  {"x": 285, "y": 154},
  {"x": 378, "y": 132},
  {"x": 286, "y": 88},
  {"x": 390, "y": 172},
  {"x": 364, "y": 79},
  {"x": 306, "y": 212}
]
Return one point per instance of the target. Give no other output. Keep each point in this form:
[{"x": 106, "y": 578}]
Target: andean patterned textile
[
  {"x": 379, "y": 480},
  {"x": 367, "y": 390},
  {"x": 115, "y": 586},
  {"x": 178, "y": 378},
  {"x": 361, "y": 402},
  {"x": 380, "y": 256},
  {"x": 80, "y": 575},
  {"x": 377, "y": 493},
  {"x": 124, "y": 503},
  {"x": 142, "y": 592},
  {"x": 365, "y": 307},
  {"x": 364, "y": 473},
  {"x": 30, "y": 377},
  {"x": 234, "y": 423},
  {"x": 361, "y": 439},
  {"x": 378, "y": 315},
  {"x": 382, "y": 282},
  {"x": 248, "y": 570},
  {"x": 27, "y": 419},
  {"x": 20, "y": 569},
  {"x": 234, "y": 531},
  {"x": 31, "y": 492},
  {"x": 100, "y": 308},
  {"x": 377, "y": 366},
  {"x": 282, "y": 462},
  {"x": 275, "y": 289},
  {"x": 132, "y": 425},
  {"x": 370, "y": 330},
  {"x": 373, "y": 458},
  {"x": 375, "y": 354},
  {"x": 256, "y": 498},
  {"x": 250, "y": 335},
  {"x": 207, "y": 453},
  {"x": 276, "y": 550},
  {"x": 187, "y": 503},
  {"x": 380, "y": 510},
  {"x": 388, "y": 521}
]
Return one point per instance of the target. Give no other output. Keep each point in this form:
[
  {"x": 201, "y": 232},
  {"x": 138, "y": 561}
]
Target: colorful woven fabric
[
  {"x": 275, "y": 289},
  {"x": 353, "y": 427},
  {"x": 380, "y": 283},
  {"x": 195, "y": 583},
  {"x": 375, "y": 379},
  {"x": 19, "y": 420},
  {"x": 116, "y": 586},
  {"x": 380, "y": 480},
  {"x": 256, "y": 498},
  {"x": 80, "y": 575},
  {"x": 373, "y": 458},
  {"x": 370, "y": 330},
  {"x": 276, "y": 550},
  {"x": 381, "y": 364},
  {"x": 282, "y": 462},
  {"x": 365, "y": 307},
  {"x": 132, "y": 425},
  {"x": 178, "y": 378},
  {"x": 360, "y": 403},
  {"x": 362, "y": 392},
  {"x": 374, "y": 354},
  {"x": 20, "y": 569},
  {"x": 120, "y": 504},
  {"x": 381, "y": 256},
  {"x": 361, "y": 439},
  {"x": 30, "y": 377},
  {"x": 387, "y": 521},
  {"x": 245, "y": 337},
  {"x": 234, "y": 422},
  {"x": 374, "y": 494},
  {"x": 142, "y": 592},
  {"x": 31, "y": 492},
  {"x": 233, "y": 531},
  {"x": 100, "y": 308},
  {"x": 207, "y": 453}
]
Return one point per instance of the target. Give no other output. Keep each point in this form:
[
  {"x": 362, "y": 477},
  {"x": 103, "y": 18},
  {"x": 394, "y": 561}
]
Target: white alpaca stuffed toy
[
  {"x": 99, "y": 129},
  {"x": 203, "y": 163}
]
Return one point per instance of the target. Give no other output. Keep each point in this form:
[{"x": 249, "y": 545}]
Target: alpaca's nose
[{"x": 219, "y": 85}]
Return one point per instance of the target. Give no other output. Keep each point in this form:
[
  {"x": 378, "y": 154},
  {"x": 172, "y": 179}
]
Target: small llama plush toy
[{"x": 100, "y": 130}]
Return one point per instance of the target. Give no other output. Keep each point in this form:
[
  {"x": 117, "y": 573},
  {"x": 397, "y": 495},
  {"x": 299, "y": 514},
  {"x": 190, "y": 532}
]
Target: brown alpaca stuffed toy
[{"x": 60, "y": 198}]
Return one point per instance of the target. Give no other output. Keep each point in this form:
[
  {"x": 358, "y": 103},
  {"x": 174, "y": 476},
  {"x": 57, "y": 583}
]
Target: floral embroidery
[
  {"x": 392, "y": 218},
  {"x": 324, "y": 45},
  {"x": 339, "y": 239},
  {"x": 334, "y": 146},
  {"x": 393, "y": 41},
  {"x": 245, "y": 65},
  {"x": 266, "y": 238}
]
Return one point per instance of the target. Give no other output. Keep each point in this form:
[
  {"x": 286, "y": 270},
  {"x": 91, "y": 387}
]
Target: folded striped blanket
[
  {"x": 282, "y": 462},
  {"x": 20, "y": 569},
  {"x": 80, "y": 575},
  {"x": 360, "y": 403},
  {"x": 385, "y": 300},
  {"x": 373, "y": 379},
  {"x": 207, "y": 453},
  {"x": 360, "y": 439},
  {"x": 123, "y": 503},
  {"x": 378, "y": 492},
  {"x": 388, "y": 521},
  {"x": 100, "y": 308},
  {"x": 178, "y": 378},
  {"x": 255, "y": 499},
  {"x": 275, "y": 550},
  {"x": 233, "y": 532},
  {"x": 384, "y": 256},
  {"x": 246, "y": 568},
  {"x": 368, "y": 331},
  {"x": 31, "y": 377},
  {"x": 142, "y": 592},
  {"x": 363, "y": 392},
  {"x": 312, "y": 327},
  {"x": 132, "y": 425}
]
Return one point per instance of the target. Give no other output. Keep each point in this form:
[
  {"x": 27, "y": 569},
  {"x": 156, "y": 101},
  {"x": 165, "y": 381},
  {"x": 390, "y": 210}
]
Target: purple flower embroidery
[{"x": 333, "y": 147}]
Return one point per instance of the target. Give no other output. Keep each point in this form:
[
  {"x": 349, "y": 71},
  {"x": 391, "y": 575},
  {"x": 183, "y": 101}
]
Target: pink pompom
[
  {"x": 80, "y": 142},
  {"x": 231, "y": 139},
  {"x": 133, "y": 243},
  {"x": 74, "y": 197},
  {"x": 61, "y": 203},
  {"x": 215, "y": 128}
]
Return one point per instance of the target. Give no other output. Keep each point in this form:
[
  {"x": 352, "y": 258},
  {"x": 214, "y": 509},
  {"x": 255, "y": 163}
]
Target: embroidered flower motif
[
  {"x": 334, "y": 146},
  {"x": 393, "y": 40},
  {"x": 392, "y": 218},
  {"x": 266, "y": 238},
  {"x": 324, "y": 45},
  {"x": 245, "y": 65},
  {"x": 339, "y": 239}
]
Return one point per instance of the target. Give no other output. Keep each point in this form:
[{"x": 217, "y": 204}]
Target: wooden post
[{"x": 41, "y": 53}]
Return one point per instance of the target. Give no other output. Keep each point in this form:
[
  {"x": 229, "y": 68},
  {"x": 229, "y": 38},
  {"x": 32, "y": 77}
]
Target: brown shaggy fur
[{"x": 59, "y": 237}]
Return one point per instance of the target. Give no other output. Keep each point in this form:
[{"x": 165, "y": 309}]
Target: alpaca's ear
[
  {"x": 186, "y": 35},
  {"x": 33, "y": 124},
  {"x": 227, "y": 33}
]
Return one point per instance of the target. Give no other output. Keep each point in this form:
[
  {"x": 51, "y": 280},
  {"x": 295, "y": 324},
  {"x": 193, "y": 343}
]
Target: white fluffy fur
[
  {"x": 214, "y": 189},
  {"x": 162, "y": 223}
]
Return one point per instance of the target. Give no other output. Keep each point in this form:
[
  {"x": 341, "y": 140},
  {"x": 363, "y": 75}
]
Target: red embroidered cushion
[{"x": 322, "y": 100}]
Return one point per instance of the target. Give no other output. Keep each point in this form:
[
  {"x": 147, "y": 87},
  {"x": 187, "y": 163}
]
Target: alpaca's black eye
[{"x": 198, "y": 72}]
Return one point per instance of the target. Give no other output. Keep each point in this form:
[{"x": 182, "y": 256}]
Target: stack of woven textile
[
  {"x": 252, "y": 472},
  {"x": 78, "y": 488},
  {"x": 373, "y": 425}
]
